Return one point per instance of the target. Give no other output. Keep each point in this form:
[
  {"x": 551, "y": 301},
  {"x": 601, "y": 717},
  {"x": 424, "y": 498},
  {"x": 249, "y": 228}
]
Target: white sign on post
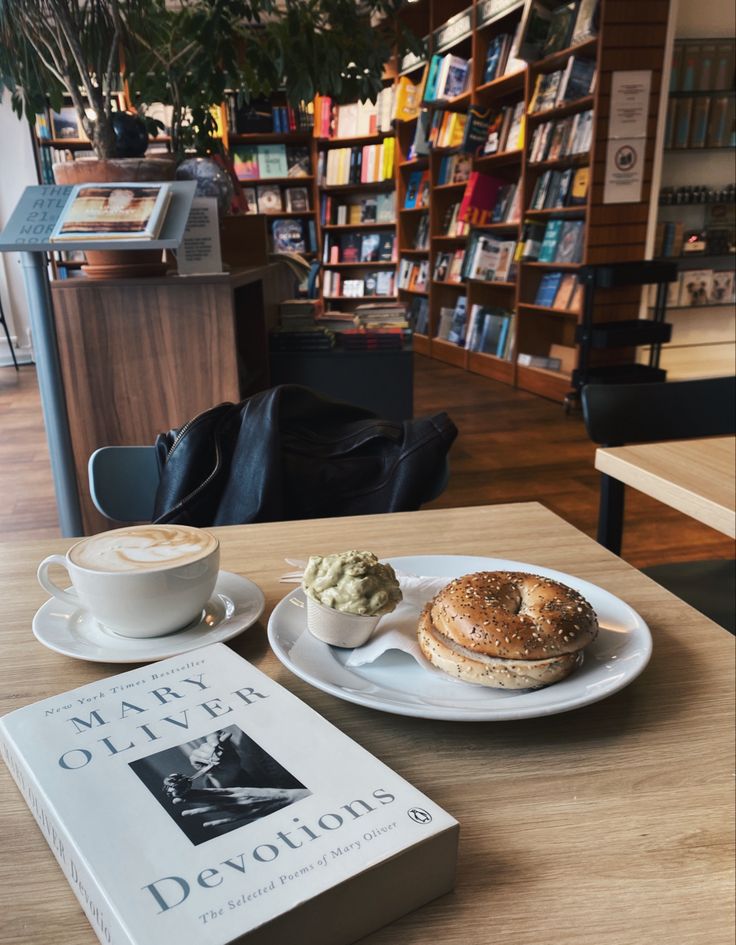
[
  {"x": 627, "y": 136},
  {"x": 199, "y": 253}
]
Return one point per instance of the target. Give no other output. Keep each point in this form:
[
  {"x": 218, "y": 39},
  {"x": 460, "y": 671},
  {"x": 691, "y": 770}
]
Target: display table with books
[{"x": 612, "y": 823}]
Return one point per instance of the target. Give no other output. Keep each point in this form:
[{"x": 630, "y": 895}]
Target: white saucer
[{"x": 235, "y": 605}]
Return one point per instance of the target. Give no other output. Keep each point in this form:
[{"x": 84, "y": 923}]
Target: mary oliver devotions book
[
  {"x": 128, "y": 211},
  {"x": 196, "y": 800}
]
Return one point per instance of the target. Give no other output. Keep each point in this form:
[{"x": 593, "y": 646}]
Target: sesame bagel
[{"x": 508, "y": 630}]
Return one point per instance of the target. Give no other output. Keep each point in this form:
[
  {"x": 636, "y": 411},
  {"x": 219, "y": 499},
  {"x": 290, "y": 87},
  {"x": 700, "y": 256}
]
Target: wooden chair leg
[{"x": 611, "y": 514}]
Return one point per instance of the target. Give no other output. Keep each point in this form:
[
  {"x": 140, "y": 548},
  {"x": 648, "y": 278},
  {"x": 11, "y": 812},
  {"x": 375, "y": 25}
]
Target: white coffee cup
[{"x": 139, "y": 581}]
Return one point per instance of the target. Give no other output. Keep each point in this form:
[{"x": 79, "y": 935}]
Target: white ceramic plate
[
  {"x": 396, "y": 683},
  {"x": 235, "y": 605}
]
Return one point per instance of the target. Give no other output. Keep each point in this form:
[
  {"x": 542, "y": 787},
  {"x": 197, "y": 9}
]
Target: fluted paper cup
[{"x": 337, "y": 628}]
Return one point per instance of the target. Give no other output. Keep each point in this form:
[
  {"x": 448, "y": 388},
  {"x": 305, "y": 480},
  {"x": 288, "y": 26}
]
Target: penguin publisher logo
[{"x": 419, "y": 815}]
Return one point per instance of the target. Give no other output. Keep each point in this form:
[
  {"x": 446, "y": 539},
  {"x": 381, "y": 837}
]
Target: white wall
[{"x": 17, "y": 171}]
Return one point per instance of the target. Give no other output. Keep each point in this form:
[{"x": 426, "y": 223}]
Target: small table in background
[{"x": 697, "y": 477}]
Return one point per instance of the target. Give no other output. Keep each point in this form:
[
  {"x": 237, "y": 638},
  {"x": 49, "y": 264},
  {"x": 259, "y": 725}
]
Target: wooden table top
[
  {"x": 609, "y": 825},
  {"x": 697, "y": 477}
]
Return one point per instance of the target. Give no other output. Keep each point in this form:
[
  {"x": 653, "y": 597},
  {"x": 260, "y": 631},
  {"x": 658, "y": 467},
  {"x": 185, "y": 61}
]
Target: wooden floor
[{"x": 512, "y": 446}]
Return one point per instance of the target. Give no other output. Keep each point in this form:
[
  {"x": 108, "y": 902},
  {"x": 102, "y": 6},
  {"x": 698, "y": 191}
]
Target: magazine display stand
[{"x": 28, "y": 232}]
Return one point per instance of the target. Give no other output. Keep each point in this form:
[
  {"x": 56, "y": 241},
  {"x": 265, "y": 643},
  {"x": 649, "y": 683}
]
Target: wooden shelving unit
[{"x": 630, "y": 37}]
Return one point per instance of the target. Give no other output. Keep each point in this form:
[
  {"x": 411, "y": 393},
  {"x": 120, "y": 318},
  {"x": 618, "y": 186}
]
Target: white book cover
[{"x": 195, "y": 799}]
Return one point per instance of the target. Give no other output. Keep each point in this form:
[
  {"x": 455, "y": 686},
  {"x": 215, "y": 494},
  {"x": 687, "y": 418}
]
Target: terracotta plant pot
[{"x": 117, "y": 264}]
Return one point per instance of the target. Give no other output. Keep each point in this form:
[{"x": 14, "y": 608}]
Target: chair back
[
  {"x": 617, "y": 414},
  {"x": 123, "y": 481}
]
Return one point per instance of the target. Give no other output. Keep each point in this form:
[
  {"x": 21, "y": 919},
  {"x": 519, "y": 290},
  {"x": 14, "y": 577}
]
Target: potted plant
[{"x": 50, "y": 49}]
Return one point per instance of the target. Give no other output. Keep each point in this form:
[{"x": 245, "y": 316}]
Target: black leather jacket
[{"x": 288, "y": 453}]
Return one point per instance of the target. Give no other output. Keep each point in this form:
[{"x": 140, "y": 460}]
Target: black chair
[{"x": 619, "y": 414}]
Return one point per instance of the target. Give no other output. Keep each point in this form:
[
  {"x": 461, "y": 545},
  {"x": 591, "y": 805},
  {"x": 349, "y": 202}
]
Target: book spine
[{"x": 92, "y": 899}]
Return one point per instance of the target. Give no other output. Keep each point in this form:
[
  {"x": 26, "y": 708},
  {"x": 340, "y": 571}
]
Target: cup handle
[{"x": 69, "y": 597}]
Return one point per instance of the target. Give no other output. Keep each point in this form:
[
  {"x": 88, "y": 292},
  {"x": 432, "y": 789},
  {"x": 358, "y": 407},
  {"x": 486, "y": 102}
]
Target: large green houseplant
[{"x": 186, "y": 54}]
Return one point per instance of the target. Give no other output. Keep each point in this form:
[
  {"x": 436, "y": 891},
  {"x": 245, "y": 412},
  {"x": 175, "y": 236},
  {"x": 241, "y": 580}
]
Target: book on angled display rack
[
  {"x": 276, "y": 842},
  {"x": 269, "y": 199},
  {"x": 122, "y": 211},
  {"x": 288, "y": 236}
]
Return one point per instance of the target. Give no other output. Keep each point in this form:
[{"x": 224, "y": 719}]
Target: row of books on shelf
[
  {"x": 702, "y": 65},
  {"x": 420, "y": 239},
  {"x": 489, "y": 199},
  {"x": 378, "y": 208},
  {"x": 452, "y": 224},
  {"x": 454, "y": 168},
  {"x": 553, "y": 140},
  {"x": 697, "y": 287},
  {"x": 294, "y": 235},
  {"x": 489, "y": 259},
  {"x": 260, "y": 162},
  {"x": 367, "y": 164},
  {"x": 271, "y": 198},
  {"x": 447, "y": 77},
  {"x": 381, "y": 282},
  {"x": 446, "y": 129},
  {"x": 547, "y": 28},
  {"x": 505, "y": 130},
  {"x": 560, "y": 290},
  {"x": 357, "y": 119},
  {"x": 562, "y": 242},
  {"x": 499, "y": 59},
  {"x": 359, "y": 247},
  {"x": 566, "y": 188},
  {"x": 700, "y": 122},
  {"x": 413, "y": 275},
  {"x": 689, "y": 194},
  {"x": 575, "y": 81},
  {"x": 484, "y": 329},
  {"x": 262, "y": 116},
  {"x": 417, "y": 190}
]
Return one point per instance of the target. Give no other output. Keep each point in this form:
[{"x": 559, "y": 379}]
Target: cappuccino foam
[{"x": 142, "y": 548}]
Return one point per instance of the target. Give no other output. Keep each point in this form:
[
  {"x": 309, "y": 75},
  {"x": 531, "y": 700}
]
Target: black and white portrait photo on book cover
[{"x": 217, "y": 783}]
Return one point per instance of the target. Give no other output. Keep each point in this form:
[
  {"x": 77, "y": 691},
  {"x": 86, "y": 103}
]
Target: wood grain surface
[
  {"x": 609, "y": 825},
  {"x": 697, "y": 477},
  {"x": 140, "y": 357}
]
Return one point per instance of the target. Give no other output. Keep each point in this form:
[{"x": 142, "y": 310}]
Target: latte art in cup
[
  {"x": 140, "y": 581},
  {"x": 142, "y": 548}
]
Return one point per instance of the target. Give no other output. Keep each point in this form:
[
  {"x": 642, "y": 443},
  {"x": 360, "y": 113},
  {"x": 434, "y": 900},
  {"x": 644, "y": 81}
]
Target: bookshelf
[
  {"x": 629, "y": 37},
  {"x": 696, "y": 213}
]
